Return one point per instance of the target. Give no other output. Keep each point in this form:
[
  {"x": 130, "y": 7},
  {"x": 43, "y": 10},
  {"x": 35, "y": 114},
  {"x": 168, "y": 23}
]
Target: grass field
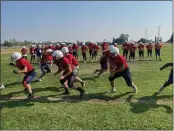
[{"x": 98, "y": 110}]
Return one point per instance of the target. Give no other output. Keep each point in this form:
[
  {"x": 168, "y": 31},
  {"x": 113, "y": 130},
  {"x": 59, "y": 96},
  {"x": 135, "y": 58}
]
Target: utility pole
[{"x": 158, "y": 35}]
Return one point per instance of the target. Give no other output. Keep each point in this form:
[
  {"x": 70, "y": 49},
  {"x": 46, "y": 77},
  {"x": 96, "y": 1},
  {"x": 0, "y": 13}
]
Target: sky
[{"x": 84, "y": 20}]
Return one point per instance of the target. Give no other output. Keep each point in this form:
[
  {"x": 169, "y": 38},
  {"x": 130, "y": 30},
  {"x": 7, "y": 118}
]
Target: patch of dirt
[
  {"x": 38, "y": 98},
  {"x": 6, "y": 52}
]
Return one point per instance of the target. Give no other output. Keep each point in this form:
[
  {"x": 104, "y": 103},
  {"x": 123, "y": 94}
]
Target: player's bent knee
[{"x": 24, "y": 83}]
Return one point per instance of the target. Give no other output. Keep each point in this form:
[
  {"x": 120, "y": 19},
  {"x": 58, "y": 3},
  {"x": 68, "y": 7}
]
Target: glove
[
  {"x": 15, "y": 72},
  {"x": 12, "y": 64},
  {"x": 77, "y": 67}
]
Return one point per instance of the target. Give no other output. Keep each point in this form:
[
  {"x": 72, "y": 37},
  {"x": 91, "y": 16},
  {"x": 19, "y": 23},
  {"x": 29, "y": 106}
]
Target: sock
[{"x": 79, "y": 89}]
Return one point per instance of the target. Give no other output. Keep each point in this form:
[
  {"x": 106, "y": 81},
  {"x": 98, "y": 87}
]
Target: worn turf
[{"x": 98, "y": 110}]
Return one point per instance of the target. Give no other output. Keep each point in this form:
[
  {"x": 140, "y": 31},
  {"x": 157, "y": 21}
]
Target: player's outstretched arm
[
  {"x": 59, "y": 71},
  {"x": 166, "y": 65}
]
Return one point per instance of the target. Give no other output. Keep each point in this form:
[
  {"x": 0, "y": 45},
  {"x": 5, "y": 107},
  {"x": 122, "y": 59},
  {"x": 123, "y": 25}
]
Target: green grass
[{"x": 99, "y": 110}]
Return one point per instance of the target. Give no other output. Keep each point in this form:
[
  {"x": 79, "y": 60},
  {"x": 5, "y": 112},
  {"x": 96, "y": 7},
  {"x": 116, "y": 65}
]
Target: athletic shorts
[
  {"x": 125, "y": 74},
  {"x": 157, "y": 52},
  {"x": 75, "y": 54},
  {"x": 132, "y": 54},
  {"x": 104, "y": 66},
  {"x": 28, "y": 78}
]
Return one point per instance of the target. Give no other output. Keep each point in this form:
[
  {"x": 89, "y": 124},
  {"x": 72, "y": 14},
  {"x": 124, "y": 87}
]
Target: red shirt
[
  {"x": 90, "y": 46},
  {"x": 132, "y": 48},
  {"x": 96, "y": 48},
  {"x": 117, "y": 61},
  {"x": 104, "y": 46},
  {"x": 75, "y": 48},
  {"x": 51, "y": 47},
  {"x": 157, "y": 47},
  {"x": 149, "y": 47},
  {"x": 32, "y": 50},
  {"x": 105, "y": 57},
  {"x": 125, "y": 46},
  {"x": 72, "y": 59},
  {"x": 24, "y": 51},
  {"x": 70, "y": 49},
  {"x": 63, "y": 63},
  {"x": 141, "y": 47},
  {"x": 44, "y": 59},
  {"x": 21, "y": 63},
  {"x": 84, "y": 49}
]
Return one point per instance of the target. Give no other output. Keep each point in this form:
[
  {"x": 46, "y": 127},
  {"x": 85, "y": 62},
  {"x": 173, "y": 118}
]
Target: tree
[
  {"x": 8, "y": 43},
  {"x": 143, "y": 40},
  {"x": 121, "y": 39}
]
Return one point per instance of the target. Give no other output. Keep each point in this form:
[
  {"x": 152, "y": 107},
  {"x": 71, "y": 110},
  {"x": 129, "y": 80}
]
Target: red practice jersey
[
  {"x": 24, "y": 51},
  {"x": 141, "y": 47},
  {"x": 149, "y": 47},
  {"x": 117, "y": 61},
  {"x": 84, "y": 49},
  {"x": 21, "y": 63}
]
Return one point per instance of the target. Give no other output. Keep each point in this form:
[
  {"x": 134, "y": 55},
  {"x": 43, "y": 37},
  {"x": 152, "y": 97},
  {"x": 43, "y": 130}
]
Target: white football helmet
[
  {"x": 16, "y": 56},
  {"x": 49, "y": 50},
  {"x": 23, "y": 47},
  {"x": 114, "y": 50},
  {"x": 63, "y": 43},
  {"x": 2, "y": 86},
  {"x": 58, "y": 54},
  {"x": 65, "y": 50}
]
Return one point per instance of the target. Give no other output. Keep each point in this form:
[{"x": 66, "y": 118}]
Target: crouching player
[
  {"x": 170, "y": 79},
  {"x": 44, "y": 64},
  {"x": 118, "y": 68},
  {"x": 65, "y": 65},
  {"x": 24, "y": 67}
]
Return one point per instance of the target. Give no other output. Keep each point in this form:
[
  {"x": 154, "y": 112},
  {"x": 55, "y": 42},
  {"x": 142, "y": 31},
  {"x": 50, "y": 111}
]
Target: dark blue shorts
[
  {"x": 104, "y": 66},
  {"x": 29, "y": 77},
  {"x": 157, "y": 52},
  {"x": 170, "y": 79},
  {"x": 125, "y": 74}
]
